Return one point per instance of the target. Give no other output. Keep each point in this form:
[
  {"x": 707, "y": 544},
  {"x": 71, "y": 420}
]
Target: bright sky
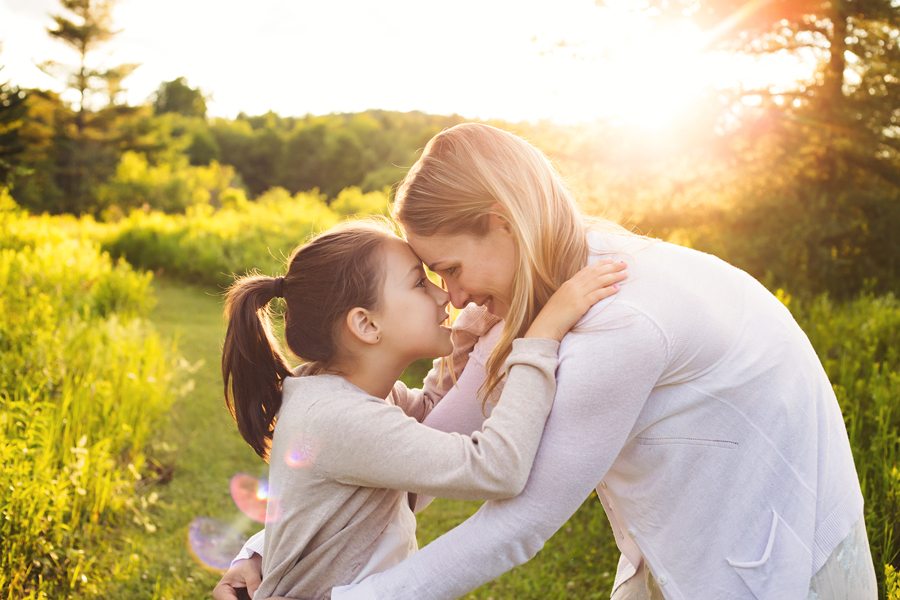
[{"x": 477, "y": 58}]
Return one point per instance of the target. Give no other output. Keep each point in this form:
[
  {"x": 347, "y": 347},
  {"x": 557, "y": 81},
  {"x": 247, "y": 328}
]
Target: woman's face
[
  {"x": 412, "y": 310},
  {"x": 475, "y": 268}
]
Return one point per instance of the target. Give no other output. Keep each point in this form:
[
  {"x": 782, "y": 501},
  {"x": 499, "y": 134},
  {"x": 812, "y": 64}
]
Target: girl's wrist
[{"x": 540, "y": 330}]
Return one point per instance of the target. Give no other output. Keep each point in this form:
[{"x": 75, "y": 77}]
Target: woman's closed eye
[
  {"x": 421, "y": 282},
  {"x": 450, "y": 271}
]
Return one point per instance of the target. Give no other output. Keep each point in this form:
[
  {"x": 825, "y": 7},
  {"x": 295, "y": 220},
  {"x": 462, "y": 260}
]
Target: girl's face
[
  {"x": 413, "y": 311},
  {"x": 475, "y": 268}
]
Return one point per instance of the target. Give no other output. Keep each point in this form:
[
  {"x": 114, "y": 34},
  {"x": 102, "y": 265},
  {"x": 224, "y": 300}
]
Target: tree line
[{"x": 801, "y": 186}]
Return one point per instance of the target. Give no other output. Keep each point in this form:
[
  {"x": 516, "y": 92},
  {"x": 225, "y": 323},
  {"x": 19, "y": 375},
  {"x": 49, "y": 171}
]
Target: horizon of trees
[{"x": 806, "y": 183}]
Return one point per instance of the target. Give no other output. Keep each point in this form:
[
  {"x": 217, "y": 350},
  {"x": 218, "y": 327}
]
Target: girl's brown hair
[{"x": 336, "y": 271}]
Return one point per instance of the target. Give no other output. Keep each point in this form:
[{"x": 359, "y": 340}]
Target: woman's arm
[{"x": 604, "y": 380}]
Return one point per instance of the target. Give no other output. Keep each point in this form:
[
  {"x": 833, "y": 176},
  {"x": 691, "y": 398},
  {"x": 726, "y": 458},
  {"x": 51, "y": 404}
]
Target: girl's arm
[
  {"x": 373, "y": 444},
  {"x": 460, "y": 410},
  {"x": 391, "y": 450}
]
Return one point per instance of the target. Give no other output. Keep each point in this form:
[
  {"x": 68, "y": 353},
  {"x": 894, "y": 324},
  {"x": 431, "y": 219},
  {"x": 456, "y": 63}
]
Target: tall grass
[
  {"x": 859, "y": 345},
  {"x": 82, "y": 381}
]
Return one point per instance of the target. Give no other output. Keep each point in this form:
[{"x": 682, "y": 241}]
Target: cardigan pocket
[
  {"x": 685, "y": 441},
  {"x": 783, "y": 568}
]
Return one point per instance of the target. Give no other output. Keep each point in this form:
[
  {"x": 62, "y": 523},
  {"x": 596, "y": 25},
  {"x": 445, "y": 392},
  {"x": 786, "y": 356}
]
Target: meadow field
[
  {"x": 765, "y": 133},
  {"x": 116, "y": 440}
]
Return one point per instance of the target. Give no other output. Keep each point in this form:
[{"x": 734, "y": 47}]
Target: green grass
[{"x": 200, "y": 443}]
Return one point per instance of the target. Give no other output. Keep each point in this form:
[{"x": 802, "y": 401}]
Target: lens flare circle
[
  {"x": 213, "y": 543},
  {"x": 299, "y": 455},
  {"x": 251, "y": 496}
]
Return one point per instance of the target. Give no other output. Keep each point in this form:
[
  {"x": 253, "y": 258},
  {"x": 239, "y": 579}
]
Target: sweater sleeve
[
  {"x": 604, "y": 380},
  {"x": 459, "y": 409},
  {"x": 373, "y": 444},
  {"x": 471, "y": 324}
]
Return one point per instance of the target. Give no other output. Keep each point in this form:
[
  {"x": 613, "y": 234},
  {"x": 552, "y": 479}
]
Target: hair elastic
[{"x": 279, "y": 287}]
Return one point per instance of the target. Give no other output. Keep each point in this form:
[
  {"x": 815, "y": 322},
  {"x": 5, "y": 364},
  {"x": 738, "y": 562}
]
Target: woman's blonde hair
[{"x": 471, "y": 171}]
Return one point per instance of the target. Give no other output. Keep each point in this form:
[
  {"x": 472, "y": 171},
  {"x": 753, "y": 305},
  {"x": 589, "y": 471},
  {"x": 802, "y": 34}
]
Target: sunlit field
[{"x": 130, "y": 197}]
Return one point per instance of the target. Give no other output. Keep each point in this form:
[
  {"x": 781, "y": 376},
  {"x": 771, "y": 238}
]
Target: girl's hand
[{"x": 569, "y": 303}]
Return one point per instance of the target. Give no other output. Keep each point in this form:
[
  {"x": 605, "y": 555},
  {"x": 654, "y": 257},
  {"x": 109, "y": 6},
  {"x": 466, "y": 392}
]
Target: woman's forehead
[{"x": 432, "y": 248}]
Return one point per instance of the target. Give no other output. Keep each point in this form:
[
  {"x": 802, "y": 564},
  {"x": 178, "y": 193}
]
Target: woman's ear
[
  {"x": 497, "y": 219},
  {"x": 362, "y": 327}
]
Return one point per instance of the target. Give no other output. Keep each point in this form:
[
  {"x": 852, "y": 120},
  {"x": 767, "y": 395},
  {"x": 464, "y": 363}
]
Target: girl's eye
[
  {"x": 421, "y": 282},
  {"x": 450, "y": 271}
]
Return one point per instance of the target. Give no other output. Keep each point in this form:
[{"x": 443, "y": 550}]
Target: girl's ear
[{"x": 362, "y": 327}]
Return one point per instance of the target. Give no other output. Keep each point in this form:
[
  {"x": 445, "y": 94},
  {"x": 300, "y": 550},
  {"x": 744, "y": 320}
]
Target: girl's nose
[{"x": 442, "y": 296}]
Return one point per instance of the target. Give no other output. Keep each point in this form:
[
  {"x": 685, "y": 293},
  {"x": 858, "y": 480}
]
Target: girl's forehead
[{"x": 400, "y": 256}]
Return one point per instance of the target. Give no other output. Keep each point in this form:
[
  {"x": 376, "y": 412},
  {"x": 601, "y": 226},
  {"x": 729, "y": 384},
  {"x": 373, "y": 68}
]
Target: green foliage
[
  {"x": 83, "y": 26},
  {"x": 353, "y": 201},
  {"x": 178, "y": 97},
  {"x": 853, "y": 245},
  {"x": 329, "y": 153},
  {"x": 891, "y": 583},
  {"x": 12, "y": 113},
  {"x": 211, "y": 246},
  {"x": 168, "y": 187},
  {"x": 82, "y": 382}
]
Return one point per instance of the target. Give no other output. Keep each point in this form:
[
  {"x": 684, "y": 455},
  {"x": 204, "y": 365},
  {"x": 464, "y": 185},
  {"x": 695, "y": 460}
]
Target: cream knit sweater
[{"x": 342, "y": 461}]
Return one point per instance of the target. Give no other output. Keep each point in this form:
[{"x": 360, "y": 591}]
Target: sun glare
[{"x": 648, "y": 74}]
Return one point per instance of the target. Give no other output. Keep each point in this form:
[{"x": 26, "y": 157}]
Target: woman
[{"x": 691, "y": 401}]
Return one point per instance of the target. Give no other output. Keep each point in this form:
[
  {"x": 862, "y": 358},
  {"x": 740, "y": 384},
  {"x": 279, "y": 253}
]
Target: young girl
[{"x": 347, "y": 444}]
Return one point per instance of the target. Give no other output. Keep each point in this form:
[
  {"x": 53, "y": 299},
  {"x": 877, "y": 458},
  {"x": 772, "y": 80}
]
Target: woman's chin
[{"x": 498, "y": 309}]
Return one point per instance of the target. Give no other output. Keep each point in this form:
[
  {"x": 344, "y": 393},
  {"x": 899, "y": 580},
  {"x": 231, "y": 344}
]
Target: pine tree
[{"x": 12, "y": 113}]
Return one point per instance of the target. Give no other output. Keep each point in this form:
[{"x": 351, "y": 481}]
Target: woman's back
[{"x": 740, "y": 421}]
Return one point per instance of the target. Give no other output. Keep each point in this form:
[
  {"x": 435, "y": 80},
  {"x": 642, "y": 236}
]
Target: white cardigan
[{"x": 697, "y": 408}]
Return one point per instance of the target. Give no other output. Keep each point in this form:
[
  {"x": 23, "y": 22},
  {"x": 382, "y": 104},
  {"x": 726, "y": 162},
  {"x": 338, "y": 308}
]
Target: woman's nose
[{"x": 458, "y": 298}]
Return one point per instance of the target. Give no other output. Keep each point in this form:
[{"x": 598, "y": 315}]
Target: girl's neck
[{"x": 373, "y": 376}]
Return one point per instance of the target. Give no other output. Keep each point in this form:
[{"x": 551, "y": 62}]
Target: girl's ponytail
[{"x": 253, "y": 366}]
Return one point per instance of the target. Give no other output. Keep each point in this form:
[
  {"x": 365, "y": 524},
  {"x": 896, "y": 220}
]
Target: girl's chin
[{"x": 447, "y": 347}]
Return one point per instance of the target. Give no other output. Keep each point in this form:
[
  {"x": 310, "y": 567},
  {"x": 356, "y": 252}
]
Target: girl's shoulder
[{"x": 305, "y": 396}]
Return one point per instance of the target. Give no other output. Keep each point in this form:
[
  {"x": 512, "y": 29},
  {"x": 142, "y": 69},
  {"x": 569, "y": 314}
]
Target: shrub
[
  {"x": 82, "y": 382},
  {"x": 209, "y": 246}
]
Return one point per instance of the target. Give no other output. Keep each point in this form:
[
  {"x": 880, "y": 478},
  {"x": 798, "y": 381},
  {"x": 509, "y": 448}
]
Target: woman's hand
[
  {"x": 575, "y": 297},
  {"x": 241, "y": 580}
]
